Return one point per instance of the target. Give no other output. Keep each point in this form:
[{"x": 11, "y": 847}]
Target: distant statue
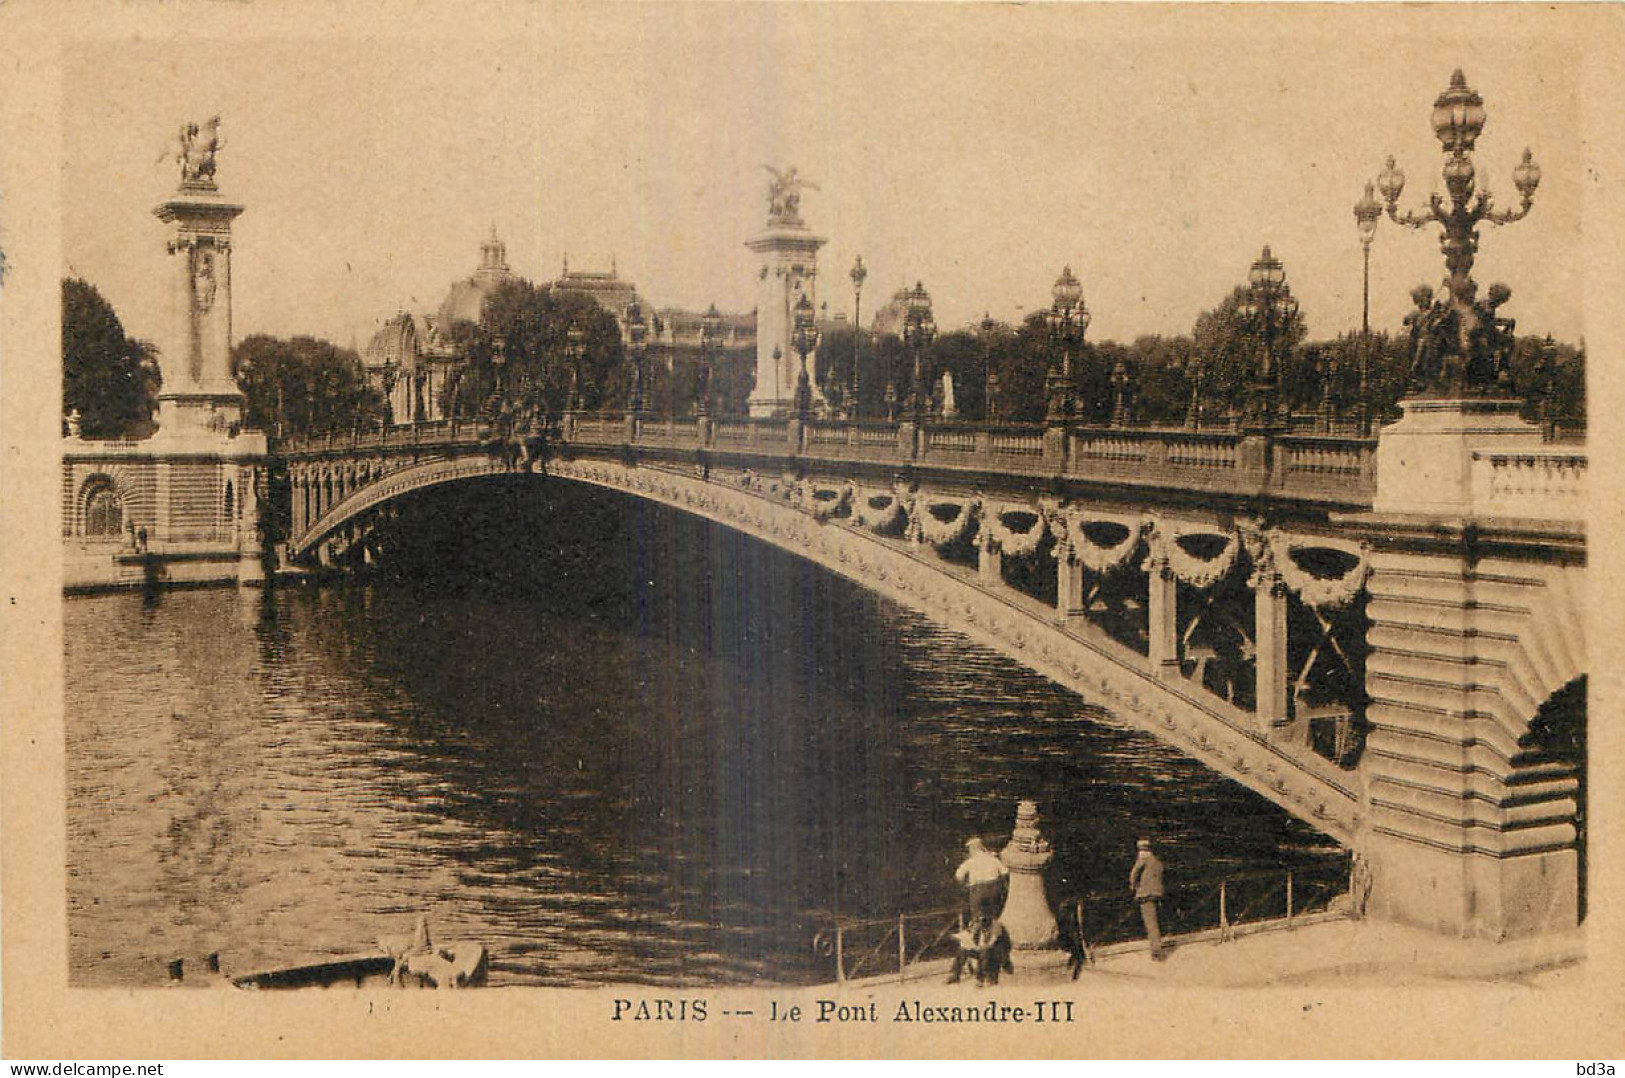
[
  {"x": 784, "y": 193},
  {"x": 196, "y": 146},
  {"x": 950, "y": 407}
]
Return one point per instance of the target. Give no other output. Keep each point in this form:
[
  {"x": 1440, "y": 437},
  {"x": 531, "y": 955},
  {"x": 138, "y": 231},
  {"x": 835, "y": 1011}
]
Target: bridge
[{"x": 1266, "y": 603}]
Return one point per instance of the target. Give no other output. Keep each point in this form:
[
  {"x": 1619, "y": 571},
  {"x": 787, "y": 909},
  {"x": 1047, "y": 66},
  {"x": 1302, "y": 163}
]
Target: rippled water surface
[{"x": 611, "y": 743}]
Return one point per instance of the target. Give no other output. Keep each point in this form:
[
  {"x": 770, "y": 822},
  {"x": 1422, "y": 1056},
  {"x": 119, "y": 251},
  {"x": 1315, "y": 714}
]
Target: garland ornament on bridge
[
  {"x": 1322, "y": 593},
  {"x": 878, "y": 510},
  {"x": 821, "y": 500},
  {"x": 1167, "y": 543},
  {"x": 943, "y": 520},
  {"x": 1080, "y": 530},
  {"x": 996, "y": 518}
]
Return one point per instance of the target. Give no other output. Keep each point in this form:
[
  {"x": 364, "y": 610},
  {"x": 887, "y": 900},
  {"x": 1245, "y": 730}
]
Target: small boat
[{"x": 409, "y": 962}]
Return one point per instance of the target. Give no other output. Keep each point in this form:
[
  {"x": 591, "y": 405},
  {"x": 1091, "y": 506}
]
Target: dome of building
[
  {"x": 466, "y": 300},
  {"x": 395, "y": 345}
]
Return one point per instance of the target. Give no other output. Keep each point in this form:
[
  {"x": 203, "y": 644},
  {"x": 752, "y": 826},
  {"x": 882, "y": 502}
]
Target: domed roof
[
  {"x": 396, "y": 344},
  {"x": 466, "y": 300}
]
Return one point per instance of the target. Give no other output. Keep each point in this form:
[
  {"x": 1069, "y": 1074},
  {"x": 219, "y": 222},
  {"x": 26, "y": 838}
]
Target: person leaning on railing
[{"x": 983, "y": 876}]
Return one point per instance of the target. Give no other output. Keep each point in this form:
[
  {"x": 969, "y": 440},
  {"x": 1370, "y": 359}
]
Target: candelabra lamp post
[
  {"x": 1548, "y": 389},
  {"x": 1198, "y": 380},
  {"x": 499, "y": 363},
  {"x": 1267, "y": 311},
  {"x": 1367, "y": 212},
  {"x": 575, "y": 347},
  {"x": 990, "y": 404},
  {"x": 637, "y": 332},
  {"x": 1460, "y": 347},
  {"x": 1121, "y": 381},
  {"x": 1068, "y": 320},
  {"x": 919, "y": 330},
  {"x": 859, "y": 274},
  {"x": 710, "y": 335},
  {"x": 1326, "y": 369},
  {"x": 804, "y": 338}
]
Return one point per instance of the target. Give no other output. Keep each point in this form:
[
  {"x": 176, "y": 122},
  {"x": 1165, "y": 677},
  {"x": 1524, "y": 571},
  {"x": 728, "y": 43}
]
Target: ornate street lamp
[
  {"x": 1121, "y": 381},
  {"x": 575, "y": 346},
  {"x": 859, "y": 275},
  {"x": 710, "y": 336},
  {"x": 1326, "y": 369},
  {"x": 1268, "y": 311},
  {"x": 1068, "y": 320},
  {"x": 919, "y": 330},
  {"x": 1367, "y": 212},
  {"x": 1198, "y": 379},
  {"x": 1459, "y": 343},
  {"x": 804, "y": 337},
  {"x": 637, "y": 331},
  {"x": 499, "y": 361},
  {"x": 990, "y": 405}
]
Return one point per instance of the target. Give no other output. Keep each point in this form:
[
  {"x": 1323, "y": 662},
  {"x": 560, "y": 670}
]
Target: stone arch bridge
[{"x": 1384, "y": 676}]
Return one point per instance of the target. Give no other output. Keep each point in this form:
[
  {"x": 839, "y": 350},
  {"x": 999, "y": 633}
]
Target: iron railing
[{"x": 1209, "y": 907}]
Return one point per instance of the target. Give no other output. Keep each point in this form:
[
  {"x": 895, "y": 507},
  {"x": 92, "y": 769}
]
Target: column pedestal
[{"x": 1027, "y": 916}]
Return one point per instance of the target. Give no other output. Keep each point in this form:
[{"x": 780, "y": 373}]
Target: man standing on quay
[
  {"x": 982, "y": 874},
  {"x": 1145, "y": 880}
]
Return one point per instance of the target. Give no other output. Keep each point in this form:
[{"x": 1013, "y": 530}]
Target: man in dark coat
[{"x": 1145, "y": 880}]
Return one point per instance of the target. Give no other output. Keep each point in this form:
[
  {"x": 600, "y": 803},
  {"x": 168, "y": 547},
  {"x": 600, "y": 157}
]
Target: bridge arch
[{"x": 903, "y": 568}]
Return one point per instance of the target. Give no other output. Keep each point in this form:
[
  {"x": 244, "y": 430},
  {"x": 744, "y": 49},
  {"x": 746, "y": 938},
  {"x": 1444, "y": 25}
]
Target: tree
[
  {"x": 110, "y": 379},
  {"x": 882, "y": 361},
  {"x": 1020, "y": 356},
  {"x": 519, "y": 355},
  {"x": 1228, "y": 346},
  {"x": 303, "y": 386},
  {"x": 962, "y": 355}
]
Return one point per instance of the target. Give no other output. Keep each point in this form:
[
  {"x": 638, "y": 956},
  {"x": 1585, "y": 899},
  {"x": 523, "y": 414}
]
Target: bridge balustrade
[
  {"x": 1336, "y": 467},
  {"x": 1539, "y": 483}
]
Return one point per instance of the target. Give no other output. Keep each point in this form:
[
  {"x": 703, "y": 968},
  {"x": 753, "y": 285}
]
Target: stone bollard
[{"x": 1027, "y": 915}]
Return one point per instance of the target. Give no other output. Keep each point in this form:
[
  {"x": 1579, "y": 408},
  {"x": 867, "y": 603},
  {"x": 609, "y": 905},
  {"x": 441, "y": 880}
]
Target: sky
[{"x": 976, "y": 149}]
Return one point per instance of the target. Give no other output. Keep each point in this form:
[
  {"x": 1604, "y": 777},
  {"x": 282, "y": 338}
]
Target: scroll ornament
[
  {"x": 1190, "y": 569},
  {"x": 1322, "y": 593},
  {"x": 1015, "y": 544},
  {"x": 944, "y": 521},
  {"x": 877, "y": 510}
]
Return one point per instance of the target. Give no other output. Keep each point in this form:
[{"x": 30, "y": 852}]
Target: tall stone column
[
  {"x": 788, "y": 269},
  {"x": 199, "y": 393},
  {"x": 1027, "y": 916}
]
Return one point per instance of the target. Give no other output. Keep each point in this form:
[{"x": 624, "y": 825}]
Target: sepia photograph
[{"x": 809, "y": 529}]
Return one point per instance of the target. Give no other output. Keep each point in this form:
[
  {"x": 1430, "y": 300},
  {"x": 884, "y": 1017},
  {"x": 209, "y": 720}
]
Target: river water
[{"x": 611, "y": 742}]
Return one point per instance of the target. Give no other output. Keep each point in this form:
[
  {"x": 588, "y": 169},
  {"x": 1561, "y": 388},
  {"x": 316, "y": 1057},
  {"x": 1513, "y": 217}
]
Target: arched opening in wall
[
  {"x": 104, "y": 509},
  {"x": 1557, "y": 741}
]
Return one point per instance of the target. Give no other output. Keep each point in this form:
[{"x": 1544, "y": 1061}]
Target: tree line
[{"x": 537, "y": 351}]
